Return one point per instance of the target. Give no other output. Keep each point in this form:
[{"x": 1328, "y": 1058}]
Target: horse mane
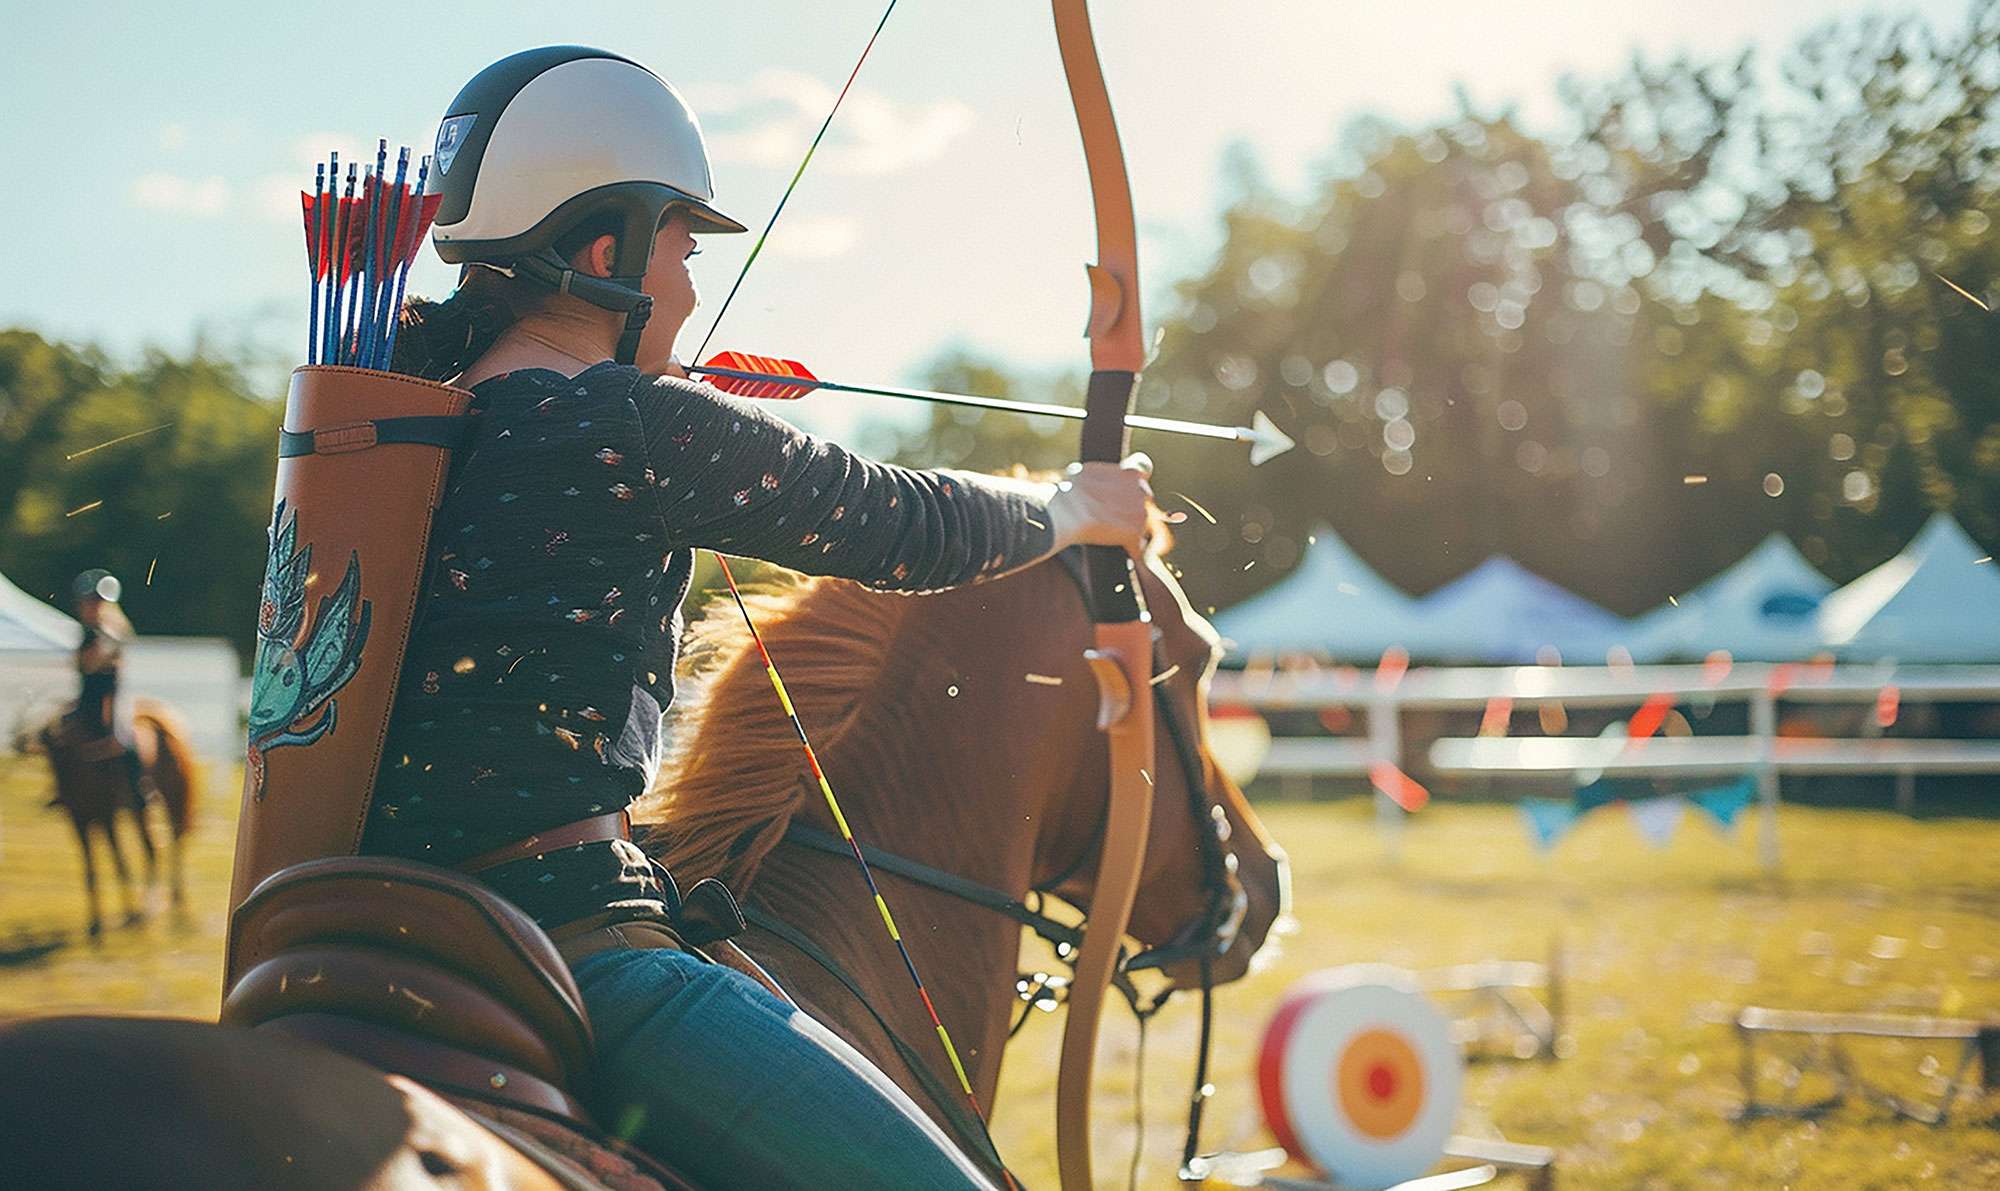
[{"x": 732, "y": 776}]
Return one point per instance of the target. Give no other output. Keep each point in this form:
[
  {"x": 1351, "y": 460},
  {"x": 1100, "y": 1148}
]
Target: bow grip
[{"x": 1114, "y": 592}]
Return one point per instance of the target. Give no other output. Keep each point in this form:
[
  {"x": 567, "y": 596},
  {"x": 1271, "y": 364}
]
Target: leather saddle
[{"x": 418, "y": 970}]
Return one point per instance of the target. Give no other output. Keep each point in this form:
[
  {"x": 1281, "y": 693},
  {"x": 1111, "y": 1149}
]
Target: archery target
[{"x": 1359, "y": 1076}]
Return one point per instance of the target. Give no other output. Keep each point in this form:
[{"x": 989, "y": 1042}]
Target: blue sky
[{"x": 155, "y": 150}]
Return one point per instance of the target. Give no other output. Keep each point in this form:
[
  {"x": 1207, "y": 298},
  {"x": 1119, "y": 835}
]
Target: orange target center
[{"x": 1379, "y": 1082}]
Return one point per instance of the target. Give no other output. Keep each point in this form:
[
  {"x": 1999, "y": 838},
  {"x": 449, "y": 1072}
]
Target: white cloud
[
  {"x": 814, "y": 237},
  {"x": 200, "y": 197},
  {"x": 769, "y": 120},
  {"x": 276, "y": 197}
]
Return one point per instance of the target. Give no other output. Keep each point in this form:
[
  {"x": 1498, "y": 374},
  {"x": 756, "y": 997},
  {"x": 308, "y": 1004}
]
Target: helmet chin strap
[{"x": 619, "y": 294}]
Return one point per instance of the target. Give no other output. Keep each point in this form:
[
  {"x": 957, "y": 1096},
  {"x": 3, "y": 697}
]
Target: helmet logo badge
[{"x": 451, "y": 135}]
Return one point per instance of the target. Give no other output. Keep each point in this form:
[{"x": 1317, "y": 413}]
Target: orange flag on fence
[{"x": 1398, "y": 787}]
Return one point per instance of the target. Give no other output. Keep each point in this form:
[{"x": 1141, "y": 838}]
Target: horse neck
[{"x": 953, "y": 773}]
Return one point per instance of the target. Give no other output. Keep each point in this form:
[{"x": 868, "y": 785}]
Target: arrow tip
[{"x": 1267, "y": 442}]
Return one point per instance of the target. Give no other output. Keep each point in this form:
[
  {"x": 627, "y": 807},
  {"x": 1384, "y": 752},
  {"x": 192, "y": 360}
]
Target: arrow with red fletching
[
  {"x": 774, "y": 379},
  {"x": 359, "y": 247}
]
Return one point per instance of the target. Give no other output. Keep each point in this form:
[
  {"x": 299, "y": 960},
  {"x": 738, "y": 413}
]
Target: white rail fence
[{"x": 1384, "y": 695}]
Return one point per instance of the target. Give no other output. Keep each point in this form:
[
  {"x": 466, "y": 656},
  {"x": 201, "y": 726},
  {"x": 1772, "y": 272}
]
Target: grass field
[{"x": 1874, "y": 911}]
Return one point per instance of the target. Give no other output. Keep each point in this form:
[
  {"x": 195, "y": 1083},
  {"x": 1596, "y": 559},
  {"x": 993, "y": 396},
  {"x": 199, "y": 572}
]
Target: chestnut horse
[
  {"x": 958, "y": 729},
  {"x": 93, "y": 786},
  {"x": 973, "y": 753}
]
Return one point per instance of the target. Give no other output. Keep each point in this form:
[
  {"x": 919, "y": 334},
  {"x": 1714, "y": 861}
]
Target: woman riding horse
[
  {"x": 574, "y": 185},
  {"x": 99, "y": 655}
]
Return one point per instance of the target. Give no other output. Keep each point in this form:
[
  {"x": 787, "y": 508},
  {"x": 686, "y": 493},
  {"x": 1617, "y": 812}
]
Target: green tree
[{"x": 161, "y": 474}]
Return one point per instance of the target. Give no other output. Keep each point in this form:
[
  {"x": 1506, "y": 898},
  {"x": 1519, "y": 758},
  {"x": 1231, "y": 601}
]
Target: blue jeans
[{"x": 699, "y": 1064}]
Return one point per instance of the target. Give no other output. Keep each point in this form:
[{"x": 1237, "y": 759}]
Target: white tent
[
  {"x": 1500, "y": 611},
  {"x": 1759, "y": 609},
  {"x": 1937, "y": 601},
  {"x": 1332, "y": 605},
  {"x": 29, "y": 626},
  {"x": 198, "y": 676}
]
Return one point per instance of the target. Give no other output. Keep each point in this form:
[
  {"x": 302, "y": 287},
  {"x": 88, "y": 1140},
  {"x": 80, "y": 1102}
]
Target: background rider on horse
[{"x": 100, "y": 653}]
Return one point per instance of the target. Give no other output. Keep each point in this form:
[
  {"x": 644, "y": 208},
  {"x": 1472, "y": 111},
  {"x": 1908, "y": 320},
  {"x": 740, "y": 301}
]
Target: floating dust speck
[
  {"x": 1888, "y": 947},
  {"x": 1195, "y": 505},
  {"x": 630, "y": 1121},
  {"x": 1857, "y": 974},
  {"x": 164, "y": 516},
  {"x": 1165, "y": 674},
  {"x": 80, "y": 509},
  {"x": 1932, "y": 937},
  {"x": 1671, "y": 600},
  {"x": 952, "y": 690},
  {"x": 1967, "y": 294},
  {"x": 112, "y": 442},
  {"x": 1689, "y": 1064},
  {"x": 150, "y": 568},
  {"x": 464, "y": 666},
  {"x": 1980, "y": 562},
  {"x": 1692, "y": 481},
  {"x": 1043, "y": 679},
  {"x": 1251, "y": 563}
]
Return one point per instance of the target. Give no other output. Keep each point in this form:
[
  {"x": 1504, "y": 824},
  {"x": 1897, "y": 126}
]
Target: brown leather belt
[
  {"x": 597, "y": 829},
  {"x": 592, "y": 934},
  {"x": 580, "y": 939}
]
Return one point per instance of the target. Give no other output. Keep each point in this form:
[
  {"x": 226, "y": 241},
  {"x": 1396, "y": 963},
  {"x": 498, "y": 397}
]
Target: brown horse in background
[
  {"x": 93, "y": 785},
  {"x": 958, "y": 729}
]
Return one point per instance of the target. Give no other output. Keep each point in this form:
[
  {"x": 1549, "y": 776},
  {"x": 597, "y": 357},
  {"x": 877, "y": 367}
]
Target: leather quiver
[{"x": 362, "y": 464}]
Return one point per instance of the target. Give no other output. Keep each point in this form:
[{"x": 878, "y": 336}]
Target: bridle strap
[
  {"x": 1058, "y": 934},
  {"x": 1198, "y": 1101}
]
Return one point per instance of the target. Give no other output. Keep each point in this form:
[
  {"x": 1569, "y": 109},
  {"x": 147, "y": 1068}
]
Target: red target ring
[{"x": 1359, "y": 1076}]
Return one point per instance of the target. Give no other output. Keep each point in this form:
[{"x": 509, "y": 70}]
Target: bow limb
[{"x": 1122, "y": 659}]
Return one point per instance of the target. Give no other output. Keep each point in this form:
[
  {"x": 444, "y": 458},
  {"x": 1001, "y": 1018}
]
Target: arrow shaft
[{"x": 1030, "y": 408}]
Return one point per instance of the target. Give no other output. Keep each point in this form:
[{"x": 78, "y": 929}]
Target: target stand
[{"x": 1360, "y": 1080}]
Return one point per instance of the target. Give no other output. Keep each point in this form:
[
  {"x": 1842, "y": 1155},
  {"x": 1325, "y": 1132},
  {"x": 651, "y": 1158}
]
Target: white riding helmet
[{"x": 545, "y": 139}]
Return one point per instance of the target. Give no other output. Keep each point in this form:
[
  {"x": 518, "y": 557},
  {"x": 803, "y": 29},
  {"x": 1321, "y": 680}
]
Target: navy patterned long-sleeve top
[{"x": 543, "y": 654}]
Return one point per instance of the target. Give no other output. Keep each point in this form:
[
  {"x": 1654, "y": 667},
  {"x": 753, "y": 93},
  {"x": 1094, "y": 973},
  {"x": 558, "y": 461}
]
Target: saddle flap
[
  {"x": 405, "y": 993},
  {"x": 418, "y": 914}
]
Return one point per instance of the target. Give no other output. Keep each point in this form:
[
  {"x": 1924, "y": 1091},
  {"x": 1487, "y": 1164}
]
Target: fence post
[
  {"x": 1764, "y": 726},
  {"x": 1385, "y": 744}
]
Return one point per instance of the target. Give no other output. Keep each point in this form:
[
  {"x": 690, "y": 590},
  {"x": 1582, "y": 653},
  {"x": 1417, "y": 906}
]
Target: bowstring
[
  {"x": 771, "y": 668},
  {"x": 812, "y": 148}
]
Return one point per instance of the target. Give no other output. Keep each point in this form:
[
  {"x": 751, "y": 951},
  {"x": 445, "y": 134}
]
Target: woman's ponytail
[{"x": 439, "y": 340}]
